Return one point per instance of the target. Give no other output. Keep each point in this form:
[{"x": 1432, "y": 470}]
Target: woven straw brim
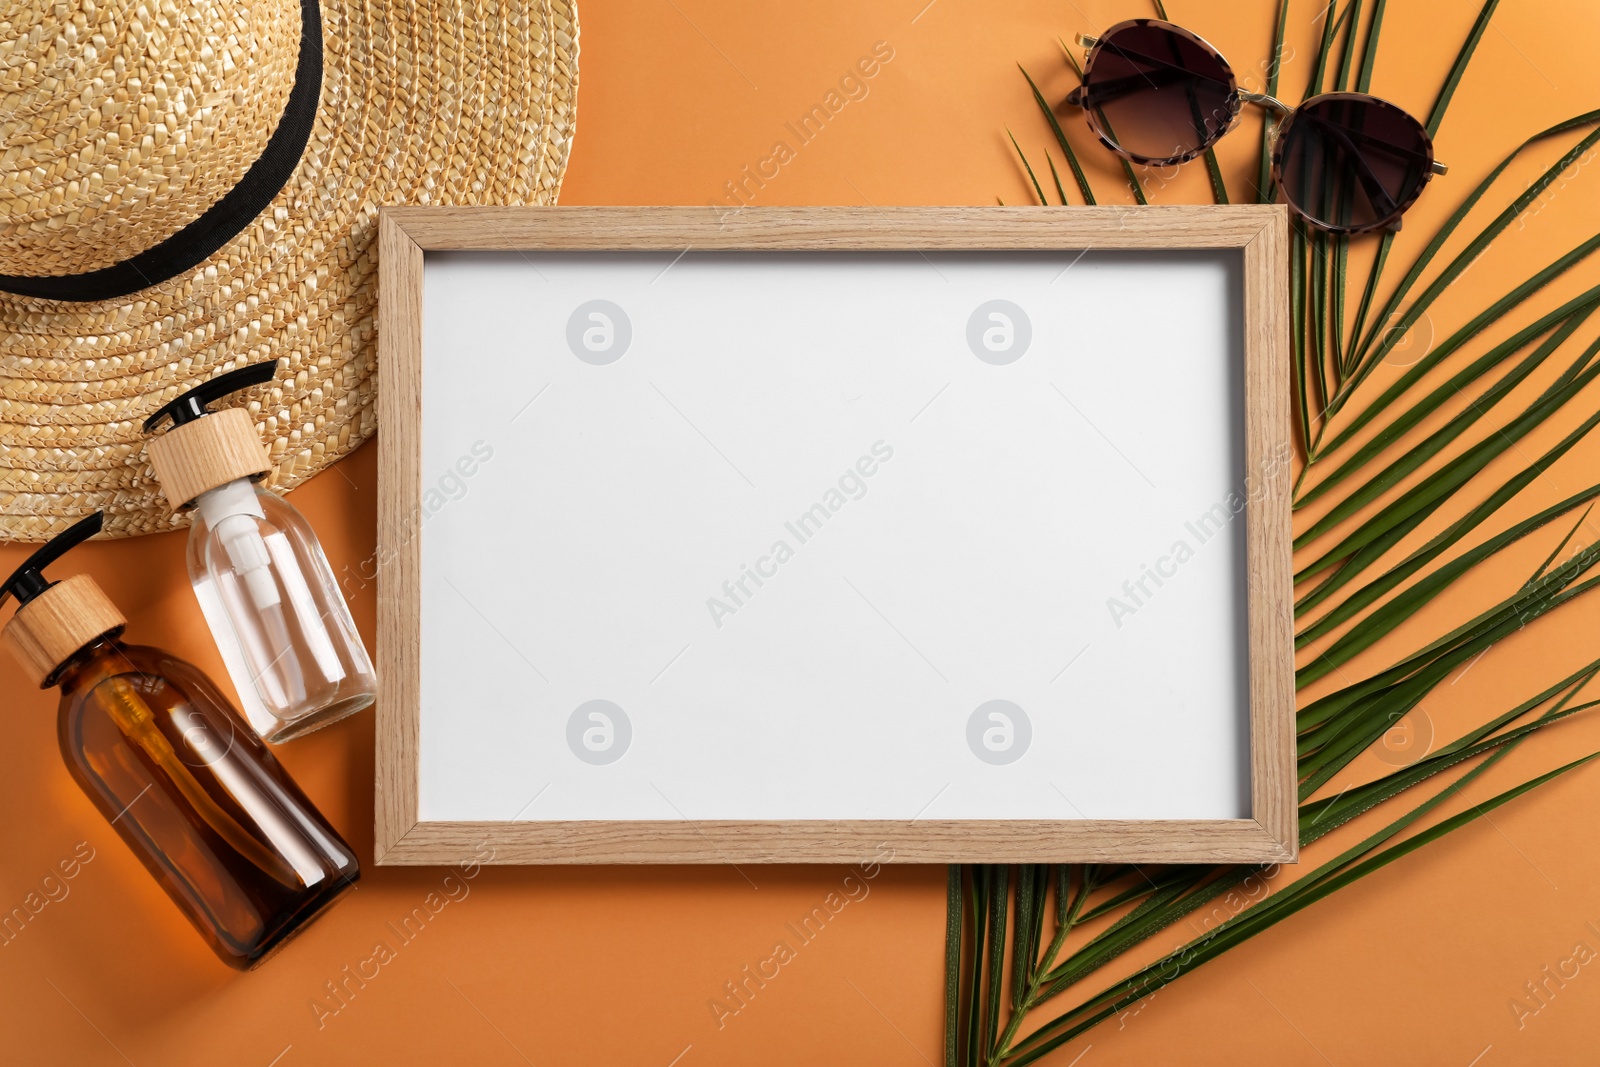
[{"x": 422, "y": 103}]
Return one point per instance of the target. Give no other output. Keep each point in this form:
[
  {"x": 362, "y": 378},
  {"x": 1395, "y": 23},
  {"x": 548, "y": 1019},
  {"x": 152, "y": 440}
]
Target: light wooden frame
[{"x": 1260, "y": 233}]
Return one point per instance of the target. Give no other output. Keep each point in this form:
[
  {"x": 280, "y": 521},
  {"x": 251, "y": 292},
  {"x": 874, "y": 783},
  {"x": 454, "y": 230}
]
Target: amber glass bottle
[{"x": 175, "y": 769}]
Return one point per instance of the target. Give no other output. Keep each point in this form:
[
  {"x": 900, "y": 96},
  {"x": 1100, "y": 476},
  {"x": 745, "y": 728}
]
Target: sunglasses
[{"x": 1347, "y": 163}]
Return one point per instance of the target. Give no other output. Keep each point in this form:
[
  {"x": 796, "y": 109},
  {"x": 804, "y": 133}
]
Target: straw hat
[{"x": 187, "y": 186}]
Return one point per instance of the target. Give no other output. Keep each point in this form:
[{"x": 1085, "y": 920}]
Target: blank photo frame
[{"x": 807, "y": 535}]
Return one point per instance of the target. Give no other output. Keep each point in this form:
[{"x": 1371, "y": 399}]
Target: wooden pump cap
[
  {"x": 47, "y": 630},
  {"x": 209, "y": 451}
]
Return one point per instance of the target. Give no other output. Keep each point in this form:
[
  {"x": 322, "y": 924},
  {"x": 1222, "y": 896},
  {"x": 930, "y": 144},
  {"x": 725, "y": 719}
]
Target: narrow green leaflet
[
  {"x": 1038, "y": 191},
  {"x": 1369, "y": 55},
  {"x": 1264, "y": 187},
  {"x": 1061, "y": 141},
  {"x": 1459, "y": 69},
  {"x": 953, "y": 923}
]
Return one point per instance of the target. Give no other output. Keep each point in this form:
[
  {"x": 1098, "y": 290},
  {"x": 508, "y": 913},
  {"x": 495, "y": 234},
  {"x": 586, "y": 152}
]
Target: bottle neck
[
  {"x": 103, "y": 656},
  {"x": 229, "y": 500}
]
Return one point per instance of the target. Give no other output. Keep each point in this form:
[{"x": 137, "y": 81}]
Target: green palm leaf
[
  {"x": 1415, "y": 456},
  {"x": 1422, "y": 498},
  {"x": 996, "y": 983},
  {"x": 1424, "y": 407}
]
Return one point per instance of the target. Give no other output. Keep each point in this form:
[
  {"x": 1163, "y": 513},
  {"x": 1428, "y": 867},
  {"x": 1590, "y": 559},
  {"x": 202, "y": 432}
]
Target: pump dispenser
[
  {"x": 262, "y": 580},
  {"x": 174, "y": 769}
]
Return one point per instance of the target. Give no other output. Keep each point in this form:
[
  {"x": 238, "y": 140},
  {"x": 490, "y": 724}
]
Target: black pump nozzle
[
  {"x": 192, "y": 405},
  {"x": 28, "y": 580}
]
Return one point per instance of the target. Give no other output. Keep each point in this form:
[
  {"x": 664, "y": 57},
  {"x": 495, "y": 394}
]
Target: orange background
[{"x": 1417, "y": 964}]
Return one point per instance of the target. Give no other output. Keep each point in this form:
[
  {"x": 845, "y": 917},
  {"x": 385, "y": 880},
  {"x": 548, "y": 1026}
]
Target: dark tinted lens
[
  {"x": 1352, "y": 164},
  {"x": 1158, "y": 94}
]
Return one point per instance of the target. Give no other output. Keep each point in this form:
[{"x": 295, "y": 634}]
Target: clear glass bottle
[
  {"x": 181, "y": 777},
  {"x": 274, "y": 606},
  {"x": 263, "y": 582}
]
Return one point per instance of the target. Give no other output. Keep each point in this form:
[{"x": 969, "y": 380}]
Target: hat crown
[
  {"x": 122, "y": 122},
  {"x": 392, "y": 102}
]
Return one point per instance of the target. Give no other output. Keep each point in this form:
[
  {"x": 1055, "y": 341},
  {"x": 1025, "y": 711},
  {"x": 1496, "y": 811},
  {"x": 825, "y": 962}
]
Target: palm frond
[{"x": 1069, "y": 922}]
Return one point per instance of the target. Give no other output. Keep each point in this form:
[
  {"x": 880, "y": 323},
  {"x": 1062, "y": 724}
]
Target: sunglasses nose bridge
[
  {"x": 1271, "y": 103},
  {"x": 1277, "y": 112}
]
